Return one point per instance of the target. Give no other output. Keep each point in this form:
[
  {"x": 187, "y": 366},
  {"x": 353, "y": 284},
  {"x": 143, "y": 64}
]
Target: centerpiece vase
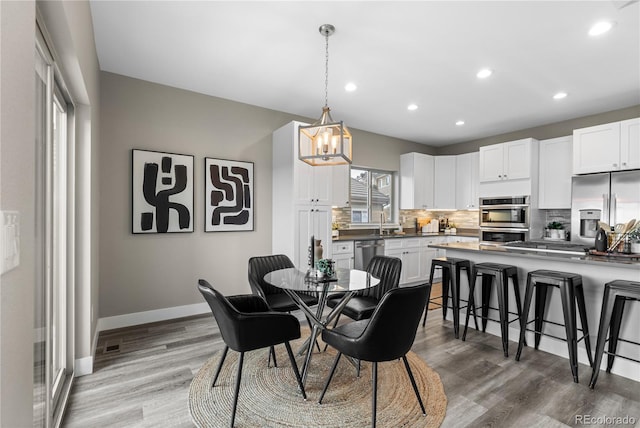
[{"x": 317, "y": 250}]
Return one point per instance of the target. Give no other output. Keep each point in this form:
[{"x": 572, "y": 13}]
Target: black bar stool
[
  {"x": 616, "y": 294},
  {"x": 449, "y": 265},
  {"x": 500, "y": 274},
  {"x": 570, "y": 285}
]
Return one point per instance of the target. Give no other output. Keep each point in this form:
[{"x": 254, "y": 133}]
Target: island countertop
[{"x": 612, "y": 261}]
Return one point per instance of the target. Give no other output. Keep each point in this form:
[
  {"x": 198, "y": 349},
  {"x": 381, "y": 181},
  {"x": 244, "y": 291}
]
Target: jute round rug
[{"x": 269, "y": 397}]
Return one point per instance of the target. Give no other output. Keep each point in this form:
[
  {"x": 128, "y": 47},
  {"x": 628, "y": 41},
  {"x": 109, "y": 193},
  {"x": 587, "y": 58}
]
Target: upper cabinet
[
  {"x": 554, "y": 188},
  {"x": 609, "y": 147},
  {"x": 444, "y": 188},
  {"x": 416, "y": 181},
  {"x": 467, "y": 167},
  {"x": 341, "y": 180},
  {"x": 312, "y": 184},
  {"x": 506, "y": 161}
]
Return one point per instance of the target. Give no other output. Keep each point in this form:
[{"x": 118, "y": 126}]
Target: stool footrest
[
  {"x": 564, "y": 339},
  {"x": 622, "y": 356}
]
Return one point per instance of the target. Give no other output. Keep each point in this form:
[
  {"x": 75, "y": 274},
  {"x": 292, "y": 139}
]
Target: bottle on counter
[{"x": 602, "y": 241}]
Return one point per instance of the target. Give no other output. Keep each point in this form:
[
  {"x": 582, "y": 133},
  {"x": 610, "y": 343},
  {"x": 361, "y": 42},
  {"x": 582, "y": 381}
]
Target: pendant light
[{"x": 325, "y": 142}]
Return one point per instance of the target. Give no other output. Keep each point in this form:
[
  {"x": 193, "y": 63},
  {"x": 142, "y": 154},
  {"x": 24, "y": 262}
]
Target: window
[{"x": 371, "y": 195}]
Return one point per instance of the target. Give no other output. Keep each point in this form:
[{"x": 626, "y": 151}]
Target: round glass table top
[{"x": 343, "y": 280}]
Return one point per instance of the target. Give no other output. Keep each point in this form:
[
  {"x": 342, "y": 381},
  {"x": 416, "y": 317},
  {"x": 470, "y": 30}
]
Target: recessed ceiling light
[
  {"x": 460, "y": 123},
  {"x": 600, "y": 28},
  {"x": 350, "y": 87},
  {"x": 560, "y": 95},
  {"x": 484, "y": 73},
  {"x": 412, "y": 107}
]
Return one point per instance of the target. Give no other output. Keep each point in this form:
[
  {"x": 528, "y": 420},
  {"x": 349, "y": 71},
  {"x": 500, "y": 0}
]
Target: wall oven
[{"x": 504, "y": 219}]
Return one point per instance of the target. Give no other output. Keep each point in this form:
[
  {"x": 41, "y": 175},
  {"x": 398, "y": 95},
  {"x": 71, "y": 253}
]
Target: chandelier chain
[{"x": 326, "y": 70}]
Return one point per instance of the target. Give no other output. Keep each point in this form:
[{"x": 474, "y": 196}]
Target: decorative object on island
[
  {"x": 325, "y": 142},
  {"x": 162, "y": 192},
  {"x": 228, "y": 191}
]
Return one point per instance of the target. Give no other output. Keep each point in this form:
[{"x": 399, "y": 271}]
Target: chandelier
[{"x": 325, "y": 142}]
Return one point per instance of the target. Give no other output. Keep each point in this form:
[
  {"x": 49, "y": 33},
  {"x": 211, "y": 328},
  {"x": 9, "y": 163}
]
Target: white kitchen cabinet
[
  {"x": 467, "y": 178},
  {"x": 311, "y": 220},
  {"x": 506, "y": 161},
  {"x": 608, "y": 147},
  {"x": 408, "y": 251},
  {"x": 630, "y": 144},
  {"x": 444, "y": 188},
  {"x": 416, "y": 181},
  {"x": 554, "y": 183},
  {"x": 341, "y": 182},
  {"x": 301, "y": 199},
  {"x": 312, "y": 184},
  {"x": 343, "y": 254}
]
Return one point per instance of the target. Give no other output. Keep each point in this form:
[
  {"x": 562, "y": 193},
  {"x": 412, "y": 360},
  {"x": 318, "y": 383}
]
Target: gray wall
[
  {"x": 146, "y": 272},
  {"x": 17, "y": 154},
  {"x": 553, "y": 130}
]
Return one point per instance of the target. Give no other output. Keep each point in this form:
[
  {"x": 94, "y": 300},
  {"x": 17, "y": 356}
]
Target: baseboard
[
  {"x": 83, "y": 366},
  {"x": 137, "y": 318}
]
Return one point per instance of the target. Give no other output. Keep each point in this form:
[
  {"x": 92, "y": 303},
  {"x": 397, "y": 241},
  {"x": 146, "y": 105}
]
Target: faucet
[{"x": 381, "y": 223}]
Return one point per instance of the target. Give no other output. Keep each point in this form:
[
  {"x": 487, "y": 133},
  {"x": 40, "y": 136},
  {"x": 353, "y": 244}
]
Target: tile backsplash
[{"x": 461, "y": 219}]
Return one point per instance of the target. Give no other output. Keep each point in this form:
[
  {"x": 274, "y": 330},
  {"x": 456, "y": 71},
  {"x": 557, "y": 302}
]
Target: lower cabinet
[
  {"x": 415, "y": 255},
  {"x": 343, "y": 254}
]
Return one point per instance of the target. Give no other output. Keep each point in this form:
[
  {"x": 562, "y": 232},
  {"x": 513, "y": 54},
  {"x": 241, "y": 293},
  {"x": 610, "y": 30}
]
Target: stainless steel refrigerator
[{"x": 613, "y": 197}]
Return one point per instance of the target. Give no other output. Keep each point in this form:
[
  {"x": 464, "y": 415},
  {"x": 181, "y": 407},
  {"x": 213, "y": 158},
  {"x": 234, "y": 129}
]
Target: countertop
[
  {"x": 511, "y": 252},
  {"x": 370, "y": 236}
]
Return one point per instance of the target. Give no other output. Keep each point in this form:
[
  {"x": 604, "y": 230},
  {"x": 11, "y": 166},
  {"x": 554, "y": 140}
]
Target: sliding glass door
[{"x": 53, "y": 320}]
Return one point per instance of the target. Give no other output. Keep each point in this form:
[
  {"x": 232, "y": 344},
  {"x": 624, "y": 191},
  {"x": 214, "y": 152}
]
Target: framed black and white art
[
  {"x": 162, "y": 192},
  {"x": 229, "y": 195}
]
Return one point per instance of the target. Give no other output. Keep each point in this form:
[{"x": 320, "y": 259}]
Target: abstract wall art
[
  {"x": 229, "y": 195},
  {"x": 162, "y": 192}
]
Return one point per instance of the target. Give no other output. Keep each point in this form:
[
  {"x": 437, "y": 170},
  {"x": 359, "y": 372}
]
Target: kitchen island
[{"x": 595, "y": 271}]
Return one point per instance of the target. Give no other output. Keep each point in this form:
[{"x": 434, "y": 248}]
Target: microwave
[{"x": 509, "y": 212}]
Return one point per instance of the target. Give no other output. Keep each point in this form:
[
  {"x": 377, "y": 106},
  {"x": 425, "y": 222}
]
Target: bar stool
[
  {"x": 571, "y": 292},
  {"x": 500, "y": 274},
  {"x": 616, "y": 294},
  {"x": 449, "y": 265}
]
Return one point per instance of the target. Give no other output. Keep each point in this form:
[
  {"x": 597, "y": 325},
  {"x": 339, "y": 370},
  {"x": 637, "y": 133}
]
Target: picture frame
[
  {"x": 162, "y": 192},
  {"x": 229, "y": 197}
]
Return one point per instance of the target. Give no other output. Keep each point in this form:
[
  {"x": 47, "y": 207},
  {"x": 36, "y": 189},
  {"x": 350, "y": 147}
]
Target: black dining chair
[
  {"x": 246, "y": 323},
  {"x": 386, "y": 336},
  {"x": 364, "y": 302},
  {"x": 277, "y": 299}
]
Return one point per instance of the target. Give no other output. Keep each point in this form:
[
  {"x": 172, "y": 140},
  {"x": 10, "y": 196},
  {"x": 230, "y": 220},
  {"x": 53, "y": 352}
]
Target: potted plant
[
  {"x": 555, "y": 230},
  {"x": 325, "y": 267}
]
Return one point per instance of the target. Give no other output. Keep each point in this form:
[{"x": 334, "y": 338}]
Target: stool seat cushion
[{"x": 554, "y": 274}]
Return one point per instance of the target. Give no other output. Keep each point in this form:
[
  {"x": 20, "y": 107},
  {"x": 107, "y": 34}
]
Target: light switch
[{"x": 9, "y": 240}]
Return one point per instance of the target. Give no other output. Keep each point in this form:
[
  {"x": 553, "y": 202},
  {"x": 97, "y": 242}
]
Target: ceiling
[{"x": 270, "y": 54}]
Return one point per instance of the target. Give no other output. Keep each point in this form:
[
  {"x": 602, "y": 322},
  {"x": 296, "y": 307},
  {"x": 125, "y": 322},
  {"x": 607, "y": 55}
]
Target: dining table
[{"x": 344, "y": 283}]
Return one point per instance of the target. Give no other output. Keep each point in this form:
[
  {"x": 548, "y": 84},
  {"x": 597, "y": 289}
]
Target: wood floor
[{"x": 142, "y": 375}]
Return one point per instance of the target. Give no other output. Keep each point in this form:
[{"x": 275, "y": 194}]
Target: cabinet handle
[
  {"x": 624, "y": 164},
  {"x": 499, "y": 176},
  {"x": 615, "y": 164}
]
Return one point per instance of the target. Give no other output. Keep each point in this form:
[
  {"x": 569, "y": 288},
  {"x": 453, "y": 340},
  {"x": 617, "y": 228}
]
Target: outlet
[{"x": 9, "y": 240}]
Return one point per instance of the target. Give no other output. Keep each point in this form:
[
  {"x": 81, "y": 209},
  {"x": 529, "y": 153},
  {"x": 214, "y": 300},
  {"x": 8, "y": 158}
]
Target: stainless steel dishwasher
[{"x": 366, "y": 250}]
